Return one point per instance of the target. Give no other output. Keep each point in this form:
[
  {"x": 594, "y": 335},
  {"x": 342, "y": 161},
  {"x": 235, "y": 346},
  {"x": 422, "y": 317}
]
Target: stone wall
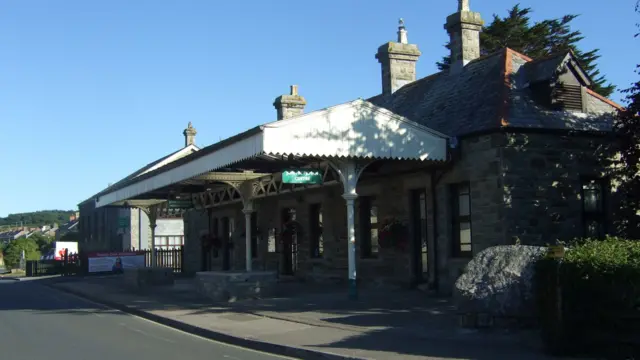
[
  {"x": 524, "y": 189},
  {"x": 195, "y": 225},
  {"x": 479, "y": 164},
  {"x": 100, "y": 229},
  {"x": 390, "y": 268},
  {"x": 542, "y": 185}
]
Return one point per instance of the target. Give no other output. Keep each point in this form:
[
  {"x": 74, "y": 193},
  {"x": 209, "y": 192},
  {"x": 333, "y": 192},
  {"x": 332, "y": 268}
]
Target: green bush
[
  {"x": 600, "y": 289},
  {"x": 13, "y": 251}
]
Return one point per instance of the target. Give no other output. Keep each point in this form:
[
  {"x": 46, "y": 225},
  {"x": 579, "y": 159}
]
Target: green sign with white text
[
  {"x": 310, "y": 177},
  {"x": 180, "y": 204},
  {"x": 123, "y": 222}
]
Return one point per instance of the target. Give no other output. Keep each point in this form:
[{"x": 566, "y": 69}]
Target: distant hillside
[{"x": 37, "y": 218}]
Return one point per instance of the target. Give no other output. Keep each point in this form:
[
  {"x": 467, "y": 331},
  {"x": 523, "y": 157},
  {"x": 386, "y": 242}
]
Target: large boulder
[{"x": 498, "y": 282}]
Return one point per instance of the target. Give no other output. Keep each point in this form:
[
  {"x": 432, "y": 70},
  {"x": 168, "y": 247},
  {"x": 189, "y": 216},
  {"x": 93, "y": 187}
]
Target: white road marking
[{"x": 168, "y": 327}]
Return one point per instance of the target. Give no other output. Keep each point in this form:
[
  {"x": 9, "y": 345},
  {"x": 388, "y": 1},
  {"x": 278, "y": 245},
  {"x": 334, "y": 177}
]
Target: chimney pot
[
  {"x": 398, "y": 62},
  {"x": 189, "y": 135}
]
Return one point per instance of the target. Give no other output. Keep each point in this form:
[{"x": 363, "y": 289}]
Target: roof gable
[
  {"x": 357, "y": 128},
  {"x": 552, "y": 67}
]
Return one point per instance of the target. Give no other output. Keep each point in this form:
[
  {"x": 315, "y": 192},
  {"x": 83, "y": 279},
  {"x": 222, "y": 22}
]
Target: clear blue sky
[{"x": 92, "y": 90}]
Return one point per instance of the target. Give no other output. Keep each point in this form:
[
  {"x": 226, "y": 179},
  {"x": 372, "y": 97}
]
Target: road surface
[{"x": 37, "y": 322}]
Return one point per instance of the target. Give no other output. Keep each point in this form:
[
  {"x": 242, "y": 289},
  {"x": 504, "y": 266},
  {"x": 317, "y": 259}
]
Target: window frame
[
  {"x": 457, "y": 220},
  {"x": 366, "y": 226},
  {"x": 599, "y": 216},
  {"x": 316, "y": 231}
]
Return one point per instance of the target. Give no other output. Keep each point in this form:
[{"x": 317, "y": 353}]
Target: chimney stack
[
  {"x": 464, "y": 32},
  {"x": 398, "y": 62},
  {"x": 189, "y": 135},
  {"x": 291, "y": 105}
]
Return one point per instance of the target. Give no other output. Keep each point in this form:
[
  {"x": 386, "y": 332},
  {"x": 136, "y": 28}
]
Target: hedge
[{"x": 599, "y": 284}]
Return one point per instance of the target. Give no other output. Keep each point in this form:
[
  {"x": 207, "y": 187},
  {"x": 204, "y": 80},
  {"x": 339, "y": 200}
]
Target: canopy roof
[{"x": 357, "y": 129}]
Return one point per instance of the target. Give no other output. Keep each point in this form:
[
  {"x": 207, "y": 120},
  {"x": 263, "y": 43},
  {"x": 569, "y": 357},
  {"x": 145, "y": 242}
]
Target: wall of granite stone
[
  {"x": 542, "y": 185},
  {"x": 390, "y": 268},
  {"x": 478, "y": 162}
]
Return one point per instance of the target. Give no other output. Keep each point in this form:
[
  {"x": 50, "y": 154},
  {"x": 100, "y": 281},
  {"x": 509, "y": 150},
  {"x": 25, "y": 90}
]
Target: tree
[
  {"x": 44, "y": 242},
  {"x": 538, "y": 40},
  {"x": 37, "y": 218},
  {"x": 626, "y": 164},
  {"x": 13, "y": 251}
]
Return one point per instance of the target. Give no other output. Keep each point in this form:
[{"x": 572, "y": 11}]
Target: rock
[{"x": 499, "y": 282}]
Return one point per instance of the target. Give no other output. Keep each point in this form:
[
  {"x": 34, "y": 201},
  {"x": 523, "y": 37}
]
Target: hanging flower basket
[{"x": 394, "y": 235}]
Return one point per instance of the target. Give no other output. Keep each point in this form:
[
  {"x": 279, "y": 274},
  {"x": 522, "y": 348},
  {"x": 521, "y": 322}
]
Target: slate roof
[
  {"x": 135, "y": 174},
  {"x": 490, "y": 93},
  {"x": 542, "y": 69}
]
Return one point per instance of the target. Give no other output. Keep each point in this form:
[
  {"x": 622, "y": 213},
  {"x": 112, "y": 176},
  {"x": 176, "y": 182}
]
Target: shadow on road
[
  {"x": 408, "y": 323},
  {"x": 29, "y": 295}
]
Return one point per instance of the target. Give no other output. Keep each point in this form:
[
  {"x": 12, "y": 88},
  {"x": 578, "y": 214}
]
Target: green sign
[
  {"x": 123, "y": 222},
  {"x": 302, "y": 177},
  {"x": 180, "y": 204}
]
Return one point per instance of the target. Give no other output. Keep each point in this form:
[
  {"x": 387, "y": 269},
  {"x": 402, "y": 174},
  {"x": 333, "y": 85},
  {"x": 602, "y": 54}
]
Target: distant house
[
  {"x": 8, "y": 236},
  {"x": 70, "y": 227}
]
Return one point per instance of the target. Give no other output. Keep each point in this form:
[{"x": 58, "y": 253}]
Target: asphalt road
[{"x": 37, "y": 322}]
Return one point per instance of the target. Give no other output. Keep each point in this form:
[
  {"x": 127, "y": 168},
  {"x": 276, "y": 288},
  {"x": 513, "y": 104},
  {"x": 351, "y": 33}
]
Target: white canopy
[{"x": 357, "y": 129}]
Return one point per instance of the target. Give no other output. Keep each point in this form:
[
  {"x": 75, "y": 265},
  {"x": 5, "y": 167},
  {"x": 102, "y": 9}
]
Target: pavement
[
  {"x": 38, "y": 322},
  {"x": 320, "y": 325}
]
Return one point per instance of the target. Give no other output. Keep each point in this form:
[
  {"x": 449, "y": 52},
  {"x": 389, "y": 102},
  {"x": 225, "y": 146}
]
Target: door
[
  {"x": 289, "y": 241},
  {"x": 419, "y": 246}
]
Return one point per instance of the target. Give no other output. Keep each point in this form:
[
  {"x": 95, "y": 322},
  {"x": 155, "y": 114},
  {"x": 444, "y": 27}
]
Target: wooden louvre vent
[{"x": 567, "y": 97}]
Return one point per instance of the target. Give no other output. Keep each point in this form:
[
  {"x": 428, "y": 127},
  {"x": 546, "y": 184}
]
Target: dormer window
[{"x": 558, "y": 82}]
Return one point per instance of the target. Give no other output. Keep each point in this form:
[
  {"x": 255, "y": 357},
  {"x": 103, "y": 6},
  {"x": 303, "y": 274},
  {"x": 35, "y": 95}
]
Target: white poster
[
  {"x": 70, "y": 246},
  {"x": 115, "y": 262}
]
